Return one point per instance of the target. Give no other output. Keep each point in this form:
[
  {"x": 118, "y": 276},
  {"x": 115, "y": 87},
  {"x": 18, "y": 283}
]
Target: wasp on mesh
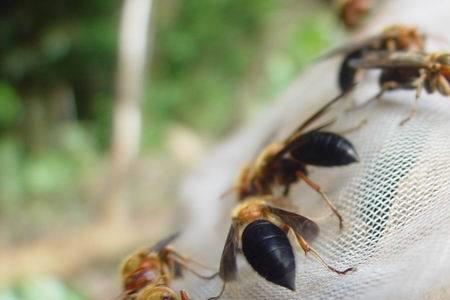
[
  {"x": 285, "y": 163},
  {"x": 262, "y": 230},
  {"x": 410, "y": 71},
  {"x": 147, "y": 273},
  {"x": 391, "y": 39}
]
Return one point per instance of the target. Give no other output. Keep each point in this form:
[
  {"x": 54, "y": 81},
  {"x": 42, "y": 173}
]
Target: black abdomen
[
  {"x": 406, "y": 77},
  {"x": 347, "y": 74},
  {"x": 324, "y": 149},
  {"x": 269, "y": 252}
]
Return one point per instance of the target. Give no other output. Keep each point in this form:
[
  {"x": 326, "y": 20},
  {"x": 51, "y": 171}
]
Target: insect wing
[
  {"x": 164, "y": 243},
  {"x": 177, "y": 269},
  {"x": 228, "y": 265},
  {"x": 303, "y": 226},
  {"x": 293, "y": 138},
  {"x": 384, "y": 60},
  {"x": 351, "y": 47}
]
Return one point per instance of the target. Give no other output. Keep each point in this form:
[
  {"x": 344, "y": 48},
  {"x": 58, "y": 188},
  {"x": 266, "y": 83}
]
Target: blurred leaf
[
  {"x": 76, "y": 144},
  {"x": 314, "y": 34},
  {"x": 37, "y": 288},
  {"x": 47, "y": 288},
  {"x": 48, "y": 172},
  {"x": 312, "y": 37},
  {"x": 55, "y": 44},
  {"x": 10, "y": 105},
  {"x": 11, "y": 155},
  {"x": 200, "y": 58},
  {"x": 8, "y": 295},
  {"x": 102, "y": 127},
  {"x": 281, "y": 70}
]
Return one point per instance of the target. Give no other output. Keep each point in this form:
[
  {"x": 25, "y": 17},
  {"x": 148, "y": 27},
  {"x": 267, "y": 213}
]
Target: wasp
[
  {"x": 285, "y": 163},
  {"x": 160, "y": 292},
  {"x": 410, "y": 71},
  {"x": 351, "y": 12},
  {"x": 147, "y": 273},
  {"x": 262, "y": 230},
  {"x": 391, "y": 39}
]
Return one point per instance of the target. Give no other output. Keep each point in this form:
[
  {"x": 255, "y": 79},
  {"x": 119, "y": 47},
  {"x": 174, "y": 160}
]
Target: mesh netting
[
  {"x": 395, "y": 202},
  {"x": 396, "y": 210}
]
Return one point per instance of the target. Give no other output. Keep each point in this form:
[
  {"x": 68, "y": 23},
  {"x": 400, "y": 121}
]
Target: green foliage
[
  {"x": 54, "y": 177},
  {"x": 47, "y": 44},
  {"x": 10, "y": 106},
  {"x": 312, "y": 36},
  {"x": 50, "y": 143},
  {"x": 44, "y": 287},
  {"x": 204, "y": 56},
  {"x": 11, "y": 183},
  {"x": 202, "y": 51},
  {"x": 46, "y": 171},
  {"x": 200, "y": 57}
]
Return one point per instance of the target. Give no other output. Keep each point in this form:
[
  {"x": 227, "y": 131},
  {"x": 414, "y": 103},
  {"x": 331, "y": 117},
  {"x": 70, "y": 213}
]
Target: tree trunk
[{"x": 133, "y": 51}]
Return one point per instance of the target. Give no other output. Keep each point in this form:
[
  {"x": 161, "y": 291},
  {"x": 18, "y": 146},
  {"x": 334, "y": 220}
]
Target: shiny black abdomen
[
  {"x": 347, "y": 74},
  {"x": 269, "y": 252},
  {"x": 326, "y": 149}
]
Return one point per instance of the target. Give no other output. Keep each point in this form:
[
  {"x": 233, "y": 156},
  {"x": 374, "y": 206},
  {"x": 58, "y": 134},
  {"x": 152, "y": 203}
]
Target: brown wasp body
[
  {"x": 407, "y": 70},
  {"x": 262, "y": 231},
  {"x": 147, "y": 273},
  {"x": 159, "y": 292},
  {"x": 393, "y": 38},
  {"x": 351, "y": 12},
  {"x": 283, "y": 164}
]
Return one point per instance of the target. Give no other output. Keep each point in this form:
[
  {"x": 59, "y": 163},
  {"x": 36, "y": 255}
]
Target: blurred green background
[{"x": 212, "y": 65}]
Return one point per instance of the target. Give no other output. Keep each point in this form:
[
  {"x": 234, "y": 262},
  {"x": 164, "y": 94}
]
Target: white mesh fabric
[
  {"x": 396, "y": 210},
  {"x": 395, "y": 202}
]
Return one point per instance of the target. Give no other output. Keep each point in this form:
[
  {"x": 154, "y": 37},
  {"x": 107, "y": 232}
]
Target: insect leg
[
  {"x": 164, "y": 278},
  {"x": 185, "y": 261},
  {"x": 444, "y": 86},
  {"x": 220, "y": 294},
  {"x": 324, "y": 196},
  {"x": 387, "y": 86},
  {"x": 419, "y": 86},
  {"x": 286, "y": 189},
  {"x": 308, "y": 249},
  {"x": 229, "y": 191},
  {"x": 354, "y": 128},
  {"x": 184, "y": 295}
]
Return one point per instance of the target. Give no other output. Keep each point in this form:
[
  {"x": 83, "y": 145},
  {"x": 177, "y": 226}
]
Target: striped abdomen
[
  {"x": 324, "y": 149},
  {"x": 269, "y": 252}
]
